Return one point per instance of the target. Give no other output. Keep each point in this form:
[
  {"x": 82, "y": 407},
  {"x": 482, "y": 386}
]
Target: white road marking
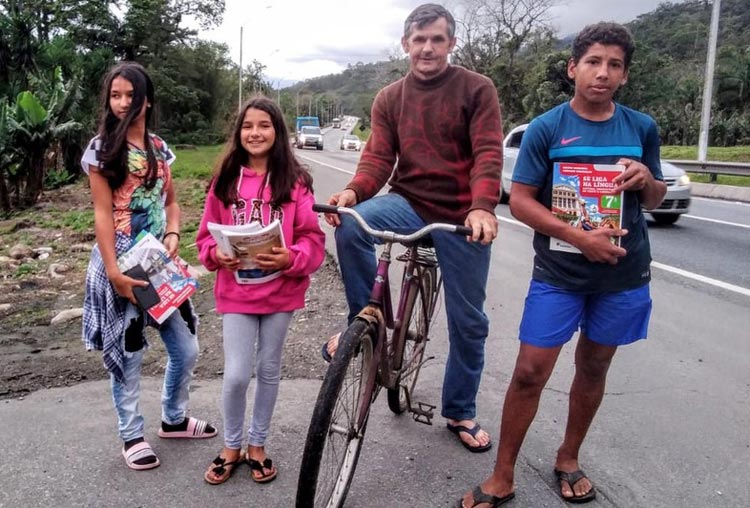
[
  {"x": 714, "y": 200},
  {"x": 702, "y": 278},
  {"x": 717, "y": 221},
  {"x": 335, "y": 168},
  {"x": 667, "y": 268}
]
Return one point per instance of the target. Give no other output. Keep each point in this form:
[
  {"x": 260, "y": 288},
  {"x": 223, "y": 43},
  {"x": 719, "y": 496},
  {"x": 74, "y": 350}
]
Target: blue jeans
[
  {"x": 464, "y": 267},
  {"x": 181, "y": 344}
]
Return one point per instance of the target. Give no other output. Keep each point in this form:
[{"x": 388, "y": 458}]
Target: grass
[{"x": 715, "y": 153}]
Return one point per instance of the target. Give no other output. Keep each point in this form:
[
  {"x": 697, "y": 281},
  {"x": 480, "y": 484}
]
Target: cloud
[{"x": 298, "y": 39}]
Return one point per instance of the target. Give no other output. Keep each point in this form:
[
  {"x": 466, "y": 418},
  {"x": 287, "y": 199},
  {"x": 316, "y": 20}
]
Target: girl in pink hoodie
[{"x": 258, "y": 180}]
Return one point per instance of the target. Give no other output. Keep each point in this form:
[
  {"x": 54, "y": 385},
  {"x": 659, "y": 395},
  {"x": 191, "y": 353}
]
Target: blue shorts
[{"x": 552, "y": 315}]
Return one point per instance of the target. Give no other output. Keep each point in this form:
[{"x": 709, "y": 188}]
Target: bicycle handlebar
[{"x": 390, "y": 236}]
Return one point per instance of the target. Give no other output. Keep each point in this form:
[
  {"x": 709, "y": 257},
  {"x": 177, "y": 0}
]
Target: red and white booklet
[
  {"x": 171, "y": 278},
  {"x": 582, "y": 197}
]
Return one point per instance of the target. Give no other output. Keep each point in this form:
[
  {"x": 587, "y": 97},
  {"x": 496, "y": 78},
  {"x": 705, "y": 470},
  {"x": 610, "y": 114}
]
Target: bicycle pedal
[{"x": 423, "y": 413}]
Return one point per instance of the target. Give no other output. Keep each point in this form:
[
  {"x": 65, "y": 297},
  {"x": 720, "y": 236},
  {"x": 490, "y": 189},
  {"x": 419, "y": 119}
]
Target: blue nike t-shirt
[{"x": 561, "y": 135}]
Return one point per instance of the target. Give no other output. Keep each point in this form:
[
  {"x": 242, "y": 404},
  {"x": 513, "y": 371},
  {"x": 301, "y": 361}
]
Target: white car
[
  {"x": 675, "y": 203},
  {"x": 310, "y": 136},
  {"x": 350, "y": 142}
]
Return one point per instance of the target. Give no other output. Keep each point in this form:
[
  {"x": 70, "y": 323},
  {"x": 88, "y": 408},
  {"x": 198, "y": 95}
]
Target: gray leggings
[{"x": 240, "y": 334}]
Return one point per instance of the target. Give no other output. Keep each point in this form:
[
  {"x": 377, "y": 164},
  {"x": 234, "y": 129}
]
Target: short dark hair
[
  {"x": 426, "y": 14},
  {"x": 608, "y": 34}
]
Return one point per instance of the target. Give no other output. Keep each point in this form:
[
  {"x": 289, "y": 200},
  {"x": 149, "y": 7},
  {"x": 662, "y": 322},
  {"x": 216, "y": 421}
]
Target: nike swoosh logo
[{"x": 564, "y": 141}]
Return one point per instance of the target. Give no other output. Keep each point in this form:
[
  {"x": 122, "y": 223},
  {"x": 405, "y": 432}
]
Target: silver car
[{"x": 675, "y": 203}]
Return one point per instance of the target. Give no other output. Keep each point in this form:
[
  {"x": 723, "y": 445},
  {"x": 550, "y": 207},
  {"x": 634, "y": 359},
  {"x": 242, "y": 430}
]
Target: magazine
[
  {"x": 582, "y": 197},
  {"x": 170, "y": 278},
  {"x": 245, "y": 242}
]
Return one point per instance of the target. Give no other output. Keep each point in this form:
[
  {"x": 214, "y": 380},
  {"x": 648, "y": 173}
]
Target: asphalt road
[{"x": 672, "y": 430}]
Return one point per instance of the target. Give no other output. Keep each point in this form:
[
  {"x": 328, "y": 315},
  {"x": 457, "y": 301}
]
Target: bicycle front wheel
[
  {"x": 336, "y": 432},
  {"x": 417, "y": 316}
]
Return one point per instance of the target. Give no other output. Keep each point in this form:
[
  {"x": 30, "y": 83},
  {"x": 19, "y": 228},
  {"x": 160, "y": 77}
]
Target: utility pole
[
  {"x": 708, "y": 85},
  {"x": 239, "y": 106}
]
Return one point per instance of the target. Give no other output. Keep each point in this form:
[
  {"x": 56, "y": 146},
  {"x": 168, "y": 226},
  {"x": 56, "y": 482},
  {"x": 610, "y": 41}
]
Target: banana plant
[
  {"x": 7, "y": 155},
  {"x": 33, "y": 130}
]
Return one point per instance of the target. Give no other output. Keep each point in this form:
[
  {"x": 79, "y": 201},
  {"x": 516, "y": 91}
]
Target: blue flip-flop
[{"x": 457, "y": 429}]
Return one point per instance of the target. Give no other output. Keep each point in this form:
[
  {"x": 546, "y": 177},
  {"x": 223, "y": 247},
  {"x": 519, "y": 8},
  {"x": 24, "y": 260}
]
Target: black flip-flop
[
  {"x": 571, "y": 479},
  {"x": 457, "y": 429},
  {"x": 325, "y": 354},
  {"x": 256, "y": 465},
  {"x": 482, "y": 497}
]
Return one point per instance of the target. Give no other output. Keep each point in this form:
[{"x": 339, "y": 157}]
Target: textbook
[
  {"x": 245, "y": 242},
  {"x": 171, "y": 282},
  {"x": 582, "y": 197}
]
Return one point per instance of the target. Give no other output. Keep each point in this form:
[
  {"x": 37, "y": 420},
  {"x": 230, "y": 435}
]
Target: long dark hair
[
  {"x": 113, "y": 151},
  {"x": 284, "y": 170}
]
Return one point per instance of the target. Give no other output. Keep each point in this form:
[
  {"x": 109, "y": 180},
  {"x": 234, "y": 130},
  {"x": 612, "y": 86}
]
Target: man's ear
[
  {"x": 453, "y": 44},
  {"x": 405, "y": 44}
]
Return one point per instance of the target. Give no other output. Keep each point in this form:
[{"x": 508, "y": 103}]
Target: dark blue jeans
[{"x": 464, "y": 267}]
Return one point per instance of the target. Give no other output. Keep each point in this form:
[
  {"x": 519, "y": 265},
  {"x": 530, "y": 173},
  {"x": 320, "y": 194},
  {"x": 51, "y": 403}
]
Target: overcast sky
[{"x": 298, "y": 39}]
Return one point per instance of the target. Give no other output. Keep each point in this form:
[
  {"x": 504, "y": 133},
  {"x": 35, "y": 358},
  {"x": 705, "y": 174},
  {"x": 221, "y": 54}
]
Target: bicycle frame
[{"x": 383, "y": 374}]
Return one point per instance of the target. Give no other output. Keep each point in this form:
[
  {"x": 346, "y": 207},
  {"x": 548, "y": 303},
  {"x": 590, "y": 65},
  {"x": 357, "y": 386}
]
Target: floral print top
[{"x": 135, "y": 207}]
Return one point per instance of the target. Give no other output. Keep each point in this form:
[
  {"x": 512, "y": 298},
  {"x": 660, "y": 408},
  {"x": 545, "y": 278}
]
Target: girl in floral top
[{"x": 131, "y": 187}]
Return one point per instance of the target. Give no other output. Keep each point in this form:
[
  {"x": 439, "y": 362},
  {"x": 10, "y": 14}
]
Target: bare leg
[
  {"x": 534, "y": 366},
  {"x": 586, "y": 393}
]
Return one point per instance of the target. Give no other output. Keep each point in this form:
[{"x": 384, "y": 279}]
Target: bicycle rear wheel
[
  {"x": 417, "y": 316},
  {"x": 334, "y": 438}
]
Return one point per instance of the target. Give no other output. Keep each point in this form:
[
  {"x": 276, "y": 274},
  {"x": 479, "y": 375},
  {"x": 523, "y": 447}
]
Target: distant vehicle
[
  {"x": 336, "y": 123},
  {"x": 676, "y": 202},
  {"x": 310, "y": 136},
  {"x": 350, "y": 142},
  {"x": 304, "y": 121}
]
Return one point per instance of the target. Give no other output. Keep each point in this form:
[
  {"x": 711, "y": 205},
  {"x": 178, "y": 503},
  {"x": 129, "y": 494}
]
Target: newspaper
[
  {"x": 171, "y": 278},
  {"x": 245, "y": 242}
]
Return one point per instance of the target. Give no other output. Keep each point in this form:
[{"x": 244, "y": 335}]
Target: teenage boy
[{"x": 604, "y": 290}]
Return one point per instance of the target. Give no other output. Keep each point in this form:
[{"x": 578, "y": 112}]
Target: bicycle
[{"x": 368, "y": 359}]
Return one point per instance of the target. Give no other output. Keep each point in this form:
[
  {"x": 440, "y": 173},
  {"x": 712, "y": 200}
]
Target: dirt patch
[{"x": 35, "y": 354}]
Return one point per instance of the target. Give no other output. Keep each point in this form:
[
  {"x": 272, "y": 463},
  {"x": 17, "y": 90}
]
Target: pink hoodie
[{"x": 302, "y": 234}]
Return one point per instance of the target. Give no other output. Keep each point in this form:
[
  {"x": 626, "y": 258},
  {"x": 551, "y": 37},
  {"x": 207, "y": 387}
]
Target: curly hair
[{"x": 608, "y": 34}]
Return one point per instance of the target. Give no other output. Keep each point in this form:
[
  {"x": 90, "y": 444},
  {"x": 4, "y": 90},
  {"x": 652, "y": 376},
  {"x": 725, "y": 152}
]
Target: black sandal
[
  {"x": 260, "y": 466},
  {"x": 221, "y": 468},
  {"x": 482, "y": 497},
  {"x": 571, "y": 479}
]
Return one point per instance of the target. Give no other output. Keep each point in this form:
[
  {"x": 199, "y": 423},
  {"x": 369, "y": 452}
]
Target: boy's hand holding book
[{"x": 597, "y": 245}]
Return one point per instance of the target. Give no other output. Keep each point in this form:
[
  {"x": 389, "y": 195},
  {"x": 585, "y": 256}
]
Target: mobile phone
[{"x": 146, "y": 296}]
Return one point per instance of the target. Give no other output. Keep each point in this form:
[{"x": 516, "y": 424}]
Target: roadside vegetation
[{"x": 53, "y": 55}]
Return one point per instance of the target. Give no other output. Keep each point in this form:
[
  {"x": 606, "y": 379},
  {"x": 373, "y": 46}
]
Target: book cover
[
  {"x": 169, "y": 277},
  {"x": 245, "y": 242},
  {"x": 582, "y": 197}
]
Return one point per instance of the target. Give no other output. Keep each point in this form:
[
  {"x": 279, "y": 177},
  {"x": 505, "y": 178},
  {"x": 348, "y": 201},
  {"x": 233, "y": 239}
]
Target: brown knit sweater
[{"x": 444, "y": 137}]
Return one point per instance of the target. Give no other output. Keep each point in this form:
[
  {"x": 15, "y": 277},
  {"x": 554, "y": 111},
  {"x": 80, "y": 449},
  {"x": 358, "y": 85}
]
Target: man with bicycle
[{"x": 440, "y": 127}]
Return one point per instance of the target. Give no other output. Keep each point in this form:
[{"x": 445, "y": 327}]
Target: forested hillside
[
  {"x": 54, "y": 53},
  {"x": 527, "y": 62}
]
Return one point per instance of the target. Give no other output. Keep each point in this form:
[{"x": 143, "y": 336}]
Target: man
[
  {"x": 605, "y": 289},
  {"x": 440, "y": 126}
]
